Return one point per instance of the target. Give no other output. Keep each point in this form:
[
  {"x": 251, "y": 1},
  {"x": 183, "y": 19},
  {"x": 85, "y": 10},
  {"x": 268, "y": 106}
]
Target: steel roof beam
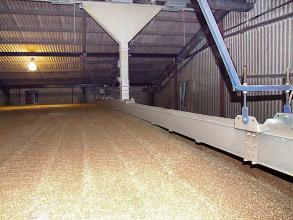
[
  {"x": 79, "y": 31},
  {"x": 16, "y": 82},
  {"x": 78, "y": 54},
  {"x": 230, "y": 5},
  {"x": 97, "y": 62},
  {"x": 137, "y": 63},
  {"x": 14, "y": 76},
  {"x": 78, "y": 43},
  {"x": 132, "y": 70},
  {"x": 64, "y": 85},
  {"x": 225, "y": 5},
  {"x": 44, "y": 85},
  {"x": 79, "y": 14},
  {"x": 21, "y": 83}
]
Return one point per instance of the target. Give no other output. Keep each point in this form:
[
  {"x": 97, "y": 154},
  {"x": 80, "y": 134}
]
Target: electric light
[{"x": 32, "y": 66}]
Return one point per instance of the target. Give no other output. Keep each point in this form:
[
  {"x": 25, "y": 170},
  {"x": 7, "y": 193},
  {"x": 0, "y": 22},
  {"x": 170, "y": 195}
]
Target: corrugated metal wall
[
  {"x": 264, "y": 44},
  {"x": 2, "y": 98},
  {"x": 73, "y": 95},
  {"x": 141, "y": 94},
  {"x": 165, "y": 98},
  {"x": 90, "y": 95},
  {"x": 54, "y": 95}
]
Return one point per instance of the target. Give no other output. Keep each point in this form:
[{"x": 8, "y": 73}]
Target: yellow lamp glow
[{"x": 32, "y": 66}]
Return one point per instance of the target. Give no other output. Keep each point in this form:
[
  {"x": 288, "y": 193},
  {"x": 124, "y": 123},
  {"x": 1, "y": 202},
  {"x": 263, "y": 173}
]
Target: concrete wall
[{"x": 263, "y": 44}]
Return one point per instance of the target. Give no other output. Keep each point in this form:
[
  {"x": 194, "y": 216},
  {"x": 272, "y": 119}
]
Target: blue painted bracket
[
  {"x": 237, "y": 86},
  {"x": 287, "y": 108}
]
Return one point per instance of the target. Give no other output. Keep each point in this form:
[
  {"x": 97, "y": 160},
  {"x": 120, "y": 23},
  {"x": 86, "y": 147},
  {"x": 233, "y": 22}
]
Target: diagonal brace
[{"x": 237, "y": 86}]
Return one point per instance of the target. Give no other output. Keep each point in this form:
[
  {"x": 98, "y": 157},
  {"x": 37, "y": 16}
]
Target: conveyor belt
[{"x": 89, "y": 162}]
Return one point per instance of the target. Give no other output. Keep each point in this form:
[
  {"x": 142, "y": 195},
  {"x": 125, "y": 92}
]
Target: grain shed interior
[{"x": 179, "y": 148}]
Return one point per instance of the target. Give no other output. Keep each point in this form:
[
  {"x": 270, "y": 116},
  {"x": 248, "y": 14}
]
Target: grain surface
[{"x": 88, "y": 162}]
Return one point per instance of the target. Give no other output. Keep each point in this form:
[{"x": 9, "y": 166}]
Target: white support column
[{"x": 124, "y": 71}]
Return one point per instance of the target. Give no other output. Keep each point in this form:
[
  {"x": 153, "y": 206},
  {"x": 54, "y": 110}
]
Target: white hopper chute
[{"x": 122, "y": 22}]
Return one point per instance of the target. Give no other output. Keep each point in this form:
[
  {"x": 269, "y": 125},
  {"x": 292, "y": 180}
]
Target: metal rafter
[
  {"x": 68, "y": 70},
  {"x": 229, "y": 5},
  {"x": 97, "y": 62},
  {"x": 78, "y": 54},
  {"x": 226, "y": 5},
  {"x": 69, "y": 30},
  {"x": 71, "y": 82},
  {"x": 78, "y": 43},
  {"x": 79, "y": 13}
]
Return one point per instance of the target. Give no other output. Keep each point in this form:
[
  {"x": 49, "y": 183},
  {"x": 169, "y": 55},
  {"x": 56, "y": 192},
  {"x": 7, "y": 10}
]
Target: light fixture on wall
[{"x": 32, "y": 66}]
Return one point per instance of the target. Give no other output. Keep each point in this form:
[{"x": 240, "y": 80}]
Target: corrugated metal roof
[{"x": 30, "y": 26}]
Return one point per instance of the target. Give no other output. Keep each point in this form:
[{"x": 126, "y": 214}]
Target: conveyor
[{"x": 269, "y": 144}]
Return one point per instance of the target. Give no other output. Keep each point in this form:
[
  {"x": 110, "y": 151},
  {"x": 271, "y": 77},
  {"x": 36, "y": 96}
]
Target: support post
[
  {"x": 287, "y": 106},
  {"x": 176, "y": 88},
  {"x": 124, "y": 71},
  {"x": 245, "y": 114}
]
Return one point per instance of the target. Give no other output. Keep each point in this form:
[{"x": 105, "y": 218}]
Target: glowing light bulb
[{"x": 32, "y": 66}]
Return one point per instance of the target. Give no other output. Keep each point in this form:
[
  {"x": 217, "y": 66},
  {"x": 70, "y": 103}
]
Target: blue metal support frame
[{"x": 237, "y": 86}]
